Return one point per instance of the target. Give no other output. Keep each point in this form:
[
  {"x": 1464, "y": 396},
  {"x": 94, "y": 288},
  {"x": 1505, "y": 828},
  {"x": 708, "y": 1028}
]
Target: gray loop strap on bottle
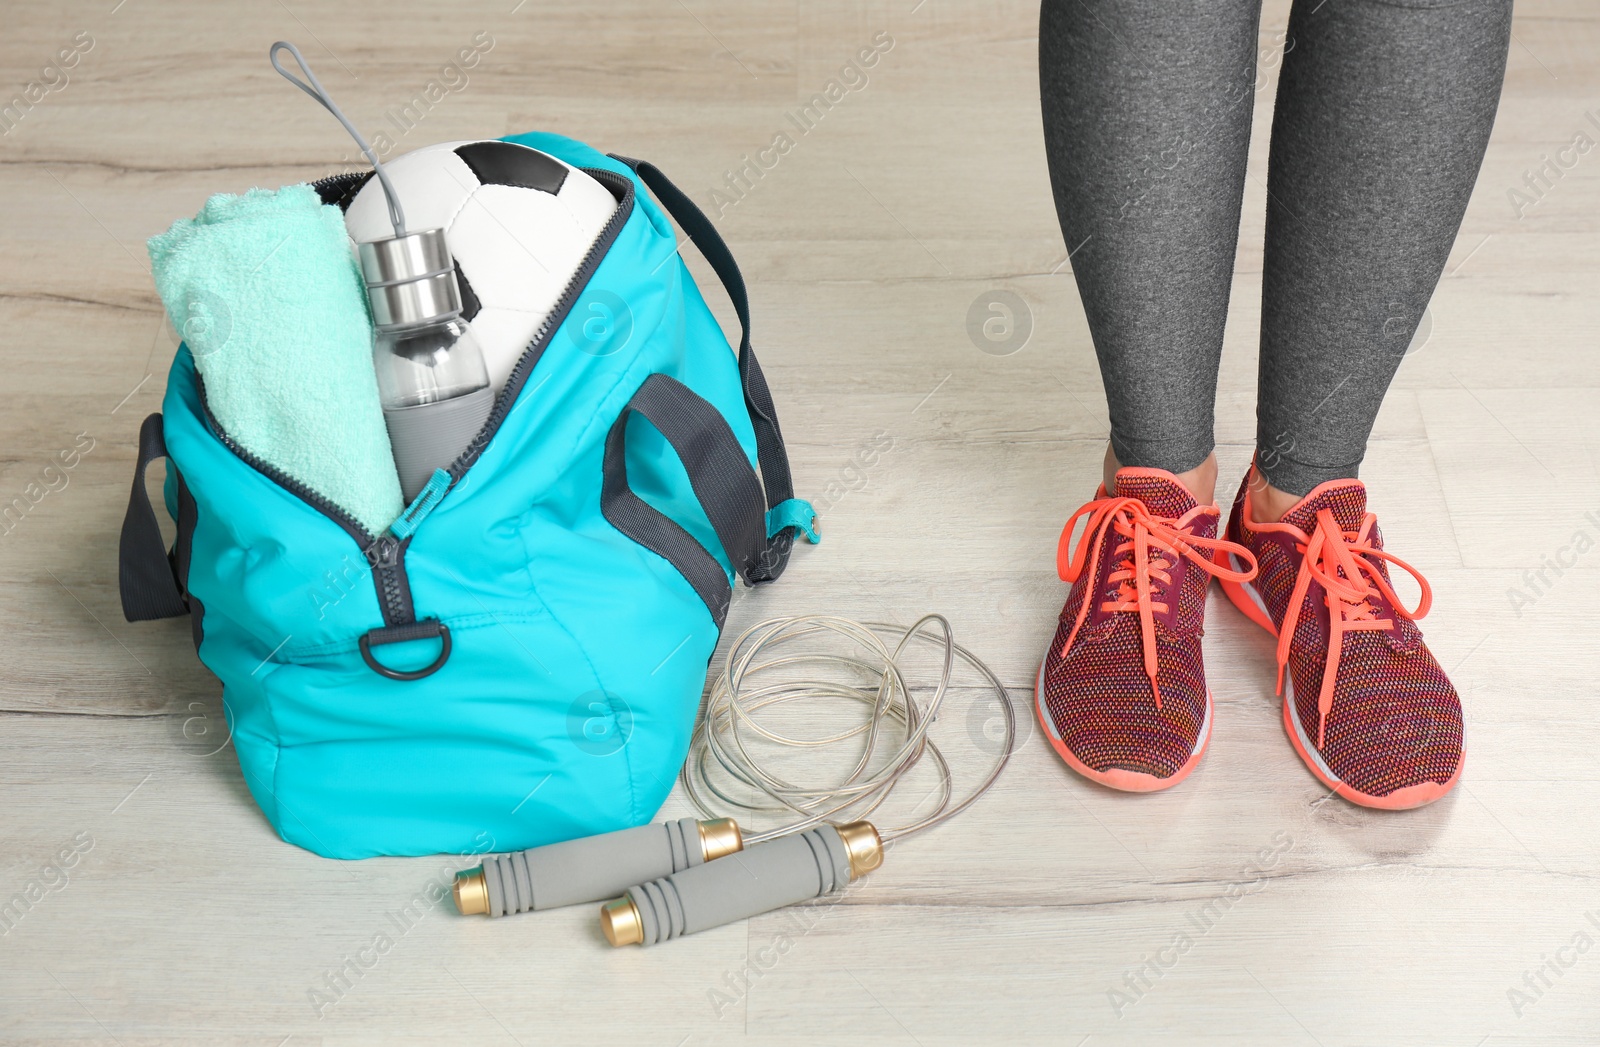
[
  {"x": 589, "y": 869},
  {"x": 320, "y": 95},
  {"x": 759, "y": 879}
]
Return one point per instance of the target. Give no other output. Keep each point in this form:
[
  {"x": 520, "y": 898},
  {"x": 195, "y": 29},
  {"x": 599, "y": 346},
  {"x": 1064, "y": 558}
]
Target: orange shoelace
[
  {"x": 1345, "y": 564},
  {"x": 1142, "y": 534}
]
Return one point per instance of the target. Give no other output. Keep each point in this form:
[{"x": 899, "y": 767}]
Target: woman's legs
[
  {"x": 1147, "y": 109},
  {"x": 1384, "y": 108}
]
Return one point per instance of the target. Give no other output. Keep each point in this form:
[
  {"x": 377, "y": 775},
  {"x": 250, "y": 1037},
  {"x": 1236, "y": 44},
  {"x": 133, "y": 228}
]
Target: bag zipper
[
  {"x": 344, "y": 176},
  {"x": 553, "y": 320},
  {"x": 346, "y": 182},
  {"x": 385, "y": 553}
]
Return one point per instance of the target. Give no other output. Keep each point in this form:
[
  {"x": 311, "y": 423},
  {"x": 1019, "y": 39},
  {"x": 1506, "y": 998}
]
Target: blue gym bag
[{"x": 520, "y": 658}]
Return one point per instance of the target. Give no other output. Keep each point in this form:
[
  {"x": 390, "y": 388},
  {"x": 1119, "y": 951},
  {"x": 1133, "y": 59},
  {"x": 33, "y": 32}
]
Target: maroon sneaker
[
  {"x": 1122, "y": 692},
  {"x": 1365, "y": 702}
]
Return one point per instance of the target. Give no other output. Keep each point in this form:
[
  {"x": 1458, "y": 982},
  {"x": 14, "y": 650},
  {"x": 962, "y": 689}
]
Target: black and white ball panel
[{"x": 506, "y": 163}]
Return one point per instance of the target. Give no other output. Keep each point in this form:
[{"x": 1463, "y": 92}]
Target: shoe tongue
[
  {"x": 1160, "y": 492},
  {"x": 1346, "y": 499}
]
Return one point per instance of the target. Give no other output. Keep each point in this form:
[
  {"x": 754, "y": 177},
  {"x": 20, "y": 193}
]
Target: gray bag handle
[
  {"x": 723, "y": 481},
  {"x": 147, "y": 576}
]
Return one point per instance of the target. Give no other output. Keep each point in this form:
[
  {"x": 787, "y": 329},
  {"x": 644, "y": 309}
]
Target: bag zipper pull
[{"x": 418, "y": 510}]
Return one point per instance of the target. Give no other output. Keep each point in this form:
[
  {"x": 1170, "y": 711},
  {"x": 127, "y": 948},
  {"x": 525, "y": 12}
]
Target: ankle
[
  {"x": 1268, "y": 503},
  {"x": 1201, "y": 481}
]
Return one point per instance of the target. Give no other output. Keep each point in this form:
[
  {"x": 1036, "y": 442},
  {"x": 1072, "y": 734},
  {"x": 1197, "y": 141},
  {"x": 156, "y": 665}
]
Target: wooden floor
[{"x": 185, "y": 919}]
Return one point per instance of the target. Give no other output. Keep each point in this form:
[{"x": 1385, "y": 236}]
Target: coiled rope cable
[{"x": 771, "y": 665}]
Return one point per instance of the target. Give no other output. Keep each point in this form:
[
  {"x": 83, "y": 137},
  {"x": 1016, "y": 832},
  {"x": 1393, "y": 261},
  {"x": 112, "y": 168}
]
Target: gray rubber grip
[
  {"x": 756, "y": 880},
  {"x": 591, "y": 869},
  {"x": 431, "y": 436}
]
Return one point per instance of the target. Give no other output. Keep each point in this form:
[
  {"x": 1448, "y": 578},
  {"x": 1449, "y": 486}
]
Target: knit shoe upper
[
  {"x": 1368, "y": 707},
  {"x": 1122, "y": 691}
]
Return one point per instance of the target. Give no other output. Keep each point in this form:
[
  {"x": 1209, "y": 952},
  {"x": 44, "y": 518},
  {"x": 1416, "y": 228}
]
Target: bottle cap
[{"x": 410, "y": 279}]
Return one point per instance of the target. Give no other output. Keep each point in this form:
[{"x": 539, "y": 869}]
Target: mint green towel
[{"x": 264, "y": 290}]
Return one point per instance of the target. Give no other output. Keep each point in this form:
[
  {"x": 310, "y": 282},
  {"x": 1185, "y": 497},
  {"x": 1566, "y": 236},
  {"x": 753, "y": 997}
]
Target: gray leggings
[{"x": 1383, "y": 112}]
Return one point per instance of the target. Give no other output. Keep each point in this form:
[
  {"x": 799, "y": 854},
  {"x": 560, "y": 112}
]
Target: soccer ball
[{"x": 517, "y": 221}]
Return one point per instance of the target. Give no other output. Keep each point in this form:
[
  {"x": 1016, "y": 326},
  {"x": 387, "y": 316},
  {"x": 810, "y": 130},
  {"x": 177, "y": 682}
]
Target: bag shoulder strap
[{"x": 770, "y": 451}]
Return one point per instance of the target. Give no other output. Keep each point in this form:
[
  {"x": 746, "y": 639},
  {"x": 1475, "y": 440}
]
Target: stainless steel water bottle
[{"x": 432, "y": 379}]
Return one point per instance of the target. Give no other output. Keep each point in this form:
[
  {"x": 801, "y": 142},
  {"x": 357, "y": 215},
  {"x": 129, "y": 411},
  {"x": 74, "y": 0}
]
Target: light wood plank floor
[{"x": 189, "y": 921}]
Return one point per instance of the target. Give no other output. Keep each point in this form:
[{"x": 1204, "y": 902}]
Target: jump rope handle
[
  {"x": 763, "y": 877},
  {"x": 591, "y": 869}
]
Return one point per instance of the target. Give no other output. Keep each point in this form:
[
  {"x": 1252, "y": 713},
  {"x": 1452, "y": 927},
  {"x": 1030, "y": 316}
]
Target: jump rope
[{"x": 675, "y": 878}]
